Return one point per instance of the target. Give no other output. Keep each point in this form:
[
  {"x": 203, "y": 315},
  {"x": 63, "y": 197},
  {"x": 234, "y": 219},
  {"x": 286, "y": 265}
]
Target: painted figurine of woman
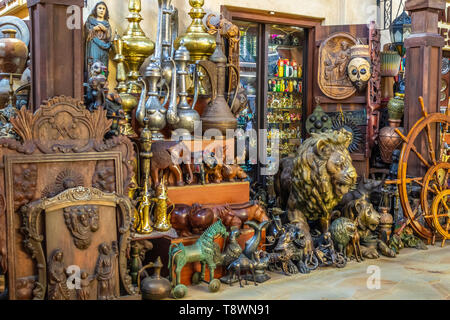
[{"x": 98, "y": 36}]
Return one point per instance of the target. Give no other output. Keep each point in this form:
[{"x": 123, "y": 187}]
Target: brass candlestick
[
  {"x": 129, "y": 102},
  {"x": 145, "y": 224},
  {"x": 137, "y": 47},
  {"x": 197, "y": 40}
]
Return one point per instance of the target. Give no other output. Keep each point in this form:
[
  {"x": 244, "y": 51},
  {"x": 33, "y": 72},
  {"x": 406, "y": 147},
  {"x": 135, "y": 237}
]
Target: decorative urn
[
  {"x": 13, "y": 53},
  {"x": 154, "y": 287}
]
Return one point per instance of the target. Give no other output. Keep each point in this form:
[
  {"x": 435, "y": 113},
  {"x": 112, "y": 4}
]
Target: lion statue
[
  {"x": 322, "y": 173},
  {"x": 367, "y": 219}
]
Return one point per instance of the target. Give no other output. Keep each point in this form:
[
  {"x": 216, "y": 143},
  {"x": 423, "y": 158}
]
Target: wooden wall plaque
[{"x": 334, "y": 55}]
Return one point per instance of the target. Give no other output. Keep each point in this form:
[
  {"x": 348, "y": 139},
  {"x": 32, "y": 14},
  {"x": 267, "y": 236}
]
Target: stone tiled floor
[{"x": 414, "y": 274}]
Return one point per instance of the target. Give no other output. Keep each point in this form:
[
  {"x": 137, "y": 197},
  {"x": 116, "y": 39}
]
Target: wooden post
[
  {"x": 423, "y": 67},
  {"x": 56, "y": 50}
]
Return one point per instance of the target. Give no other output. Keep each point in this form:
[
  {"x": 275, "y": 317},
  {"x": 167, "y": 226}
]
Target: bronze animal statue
[
  {"x": 242, "y": 264},
  {"x": 367, "y": 220},
  {"x": 322, "y": 174},
  {"x": 365, "y": 188},
  {"x": 204, "y": 250},
  {"x": 344, "y": 233}
]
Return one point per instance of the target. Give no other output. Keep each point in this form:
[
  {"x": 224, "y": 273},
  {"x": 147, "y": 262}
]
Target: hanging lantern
[{"x": 400, "y": 29}]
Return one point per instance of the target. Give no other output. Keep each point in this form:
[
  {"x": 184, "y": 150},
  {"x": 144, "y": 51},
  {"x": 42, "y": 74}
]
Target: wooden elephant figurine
[{"x": 164, "y": 152}]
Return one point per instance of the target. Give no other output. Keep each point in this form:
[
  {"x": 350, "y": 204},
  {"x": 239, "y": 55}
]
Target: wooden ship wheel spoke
[{"x": 431, "y": 217}]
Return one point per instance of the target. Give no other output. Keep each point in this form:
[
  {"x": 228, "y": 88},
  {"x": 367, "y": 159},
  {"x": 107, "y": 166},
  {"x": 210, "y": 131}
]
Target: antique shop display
[
  {"x": 154, "y": 287},
  {"x": 425, "y": 216},
  {"x": 136, "y": 46},
  {"x": 204, "y": 250},
  {"x": 326, "y": 159},
  {"x": 334, "y": 57},
  {"x": 98, "y": 36},
  {"x": 359, "y": 69}
]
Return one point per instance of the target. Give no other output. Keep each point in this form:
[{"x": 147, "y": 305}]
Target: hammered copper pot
[
  {"x": 13, "y": 53},
  {"x": 389, "y": 140}
]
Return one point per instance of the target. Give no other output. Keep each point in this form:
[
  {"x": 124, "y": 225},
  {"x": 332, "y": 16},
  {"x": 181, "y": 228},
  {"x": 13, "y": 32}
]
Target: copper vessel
[
  {"x": 389, "y": 140},
  {"x": 386, "y": 222},
  {"x": 217, "y": 114},
  {"x": 154, "y": 287},
  {"x": 13, "y": 53}
]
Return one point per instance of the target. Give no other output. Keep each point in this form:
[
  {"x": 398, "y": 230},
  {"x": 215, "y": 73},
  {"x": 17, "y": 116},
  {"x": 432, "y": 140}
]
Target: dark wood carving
[
  {"x": 57, "y": 277},
  {"x": 82, "y": 221},
  {"x": 3, "y": 256},
  {"x": 24, "y": 177},
  {"x": 374, "y": 92},
  {"x": 50, "y": 156},
  {"x": 104, "y": 271},
  {"x": 66, "y": 179},
  {"x": 104, "y": 176},
  {"x": 334, "y": 55},
  {"x": 24, "y": 288},
  {"x": 32, "y": 228}
]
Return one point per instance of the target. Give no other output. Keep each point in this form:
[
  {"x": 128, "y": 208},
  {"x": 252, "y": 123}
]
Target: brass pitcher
[{"x": 218, "y": 114}]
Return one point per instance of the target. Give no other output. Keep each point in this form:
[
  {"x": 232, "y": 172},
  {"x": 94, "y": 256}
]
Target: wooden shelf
[{"x": 214, "y": 193}]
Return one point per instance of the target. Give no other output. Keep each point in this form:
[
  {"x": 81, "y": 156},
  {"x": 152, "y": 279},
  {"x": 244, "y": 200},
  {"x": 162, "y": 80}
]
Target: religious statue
[
  {"x": 98, "y": 36},
  {"x": 85, "y": 283},
  {"x": 105, "y": 271},
  {"x": 82, "y": 221},
  {"x": 57, "y": 278}
]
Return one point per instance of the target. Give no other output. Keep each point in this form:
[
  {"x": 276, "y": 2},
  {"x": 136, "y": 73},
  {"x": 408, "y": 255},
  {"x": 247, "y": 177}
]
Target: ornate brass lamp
[
  {"x": 129, "y": 102},
  {"x": 137, "y": 47},
  {"x": 197, "y": 40}
]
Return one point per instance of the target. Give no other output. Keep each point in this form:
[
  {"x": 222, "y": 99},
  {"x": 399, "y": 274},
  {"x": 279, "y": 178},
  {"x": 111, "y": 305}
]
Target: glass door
[
  {"x": 285, "y": 99},
  {"x": 249, "y": 72}
]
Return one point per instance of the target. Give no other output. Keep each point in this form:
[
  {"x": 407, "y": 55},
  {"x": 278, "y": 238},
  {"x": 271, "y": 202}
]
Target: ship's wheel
[{"x": 430, "y": 216}]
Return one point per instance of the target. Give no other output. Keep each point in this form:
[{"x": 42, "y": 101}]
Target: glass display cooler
[{"x": 272, "y": 60}]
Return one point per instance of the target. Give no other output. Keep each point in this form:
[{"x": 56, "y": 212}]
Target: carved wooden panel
[
  {"x": 103, "y": 260},
  {"x": 62, "y": 146},
  {"x": 334, "y": 55}
]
